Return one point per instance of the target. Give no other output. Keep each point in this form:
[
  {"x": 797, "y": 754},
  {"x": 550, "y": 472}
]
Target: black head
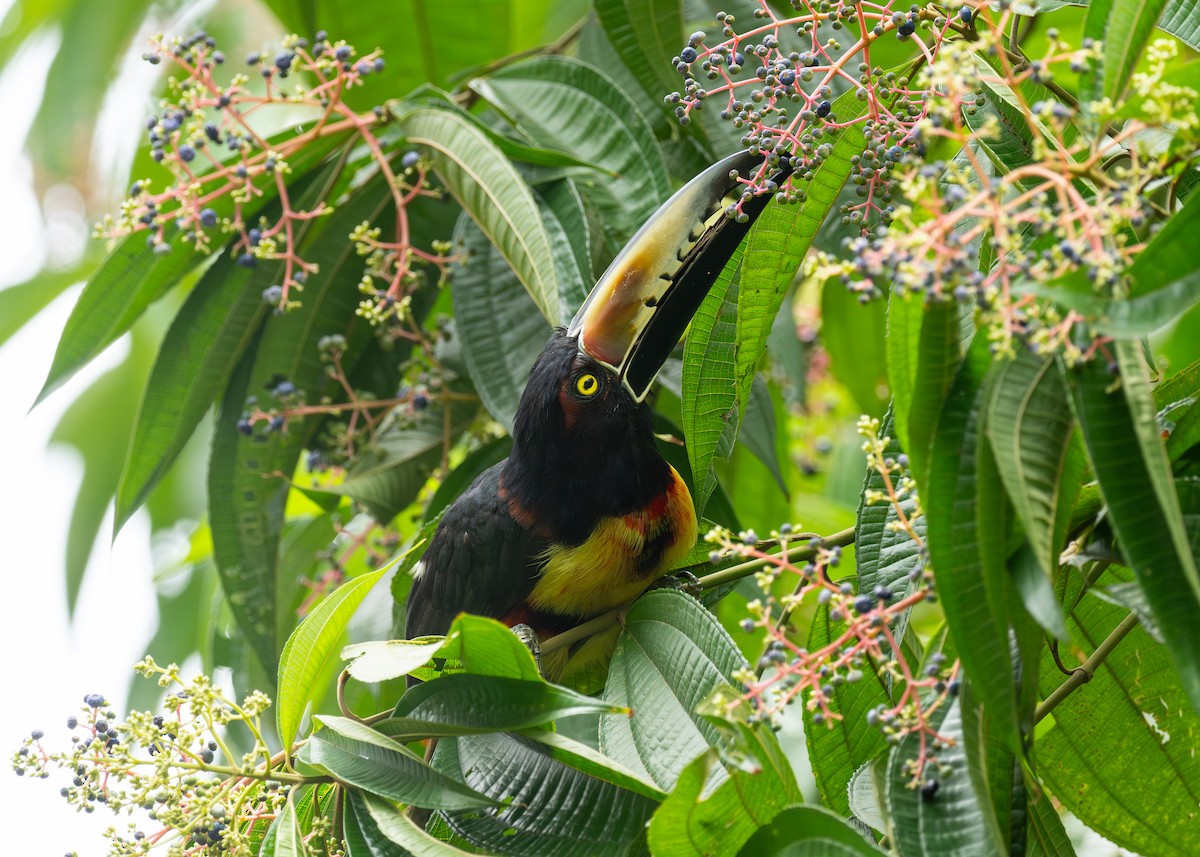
[{"x": 583, "y": 448}]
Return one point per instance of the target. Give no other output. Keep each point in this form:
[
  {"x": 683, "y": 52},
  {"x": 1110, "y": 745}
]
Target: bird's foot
[
  {"x": 681, "y": 581},
  {"x": 529, "y": 638}
]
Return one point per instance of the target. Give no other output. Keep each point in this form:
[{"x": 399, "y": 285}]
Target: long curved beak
[{"x": 641, "y": 306}]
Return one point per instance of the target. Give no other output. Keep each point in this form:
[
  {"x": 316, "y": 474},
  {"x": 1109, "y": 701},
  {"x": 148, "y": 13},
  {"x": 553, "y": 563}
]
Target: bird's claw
[
  {"x": 529, "y": 639},
  {"x": 681, "y": 581}
]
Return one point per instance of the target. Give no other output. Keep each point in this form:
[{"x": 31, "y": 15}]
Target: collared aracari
[{"x": 584, "y": 515}]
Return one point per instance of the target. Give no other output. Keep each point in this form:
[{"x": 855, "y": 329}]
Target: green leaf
[
  {"x": 583, "y": 758},
  {"x": 134, "y": 276},
  {"x": 563, "y": 103},
  {"x": 463, "y": 704},
  {"x": 841, "y": 745},
  {"x": 428, "y": 42},
  {"x": 356, "y": 754},
  {"x": 968, "y": 517},
  {"x": 361, "y": 834},
  {"x": 482, "y": 646},
  {"x": 1125, "y": 28},
  {"x": 386, "y": 831},
  {"x": 778, "y": 244},
  {"x": 207, "y": 338},
  {"x": 286, "y": 838},
  {"x": 691, "y": 823},
  {"x": 758, "y": 430},
  {"x": 1181, "y": 20},
  {"x": 887, "y": 556},
  {"x": 549, "y": 807},
  {"x": 645, "y": 36},
  {"x": 995, "y": 772},
  {"x": 939, "y": 352},
  {"x": 671, "y": 656},
  {"x": 311, "y": 646},
  {"x": 855, "y": 335},
  {"x": 488, "y": 188},
  {"x": 1037, "y": 451},
  {"x": 808, "y": 831},
  {"x": 955, "y": 821},
  {"x": 711, "y": 409},
  {"x": 1046, "y": 836},
  {"x": 1135, "y": 479},
  {"x": 501, "y": 330},
  {"x": 1121, "y": 752}
]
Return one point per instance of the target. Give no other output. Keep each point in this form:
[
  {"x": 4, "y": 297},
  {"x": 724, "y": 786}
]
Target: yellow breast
[{"x": 620, "y": 559}]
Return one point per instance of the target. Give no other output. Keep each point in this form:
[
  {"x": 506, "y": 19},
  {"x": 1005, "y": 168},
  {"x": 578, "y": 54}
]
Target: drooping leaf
[
  {"x": 501, "y": 329},
  {"x": 1046, "y": 836},
  {"x": 1125, "y": 26},
  {"x": 645, "y": 36},
  {"x": 1038, "y": 454},
  {"x": 310, "y": 647},
  {"x": 464, "y": 704},
  {"x": 247, "y": 477},
  {"x": 691, "y": 823},
  {"x": 386, "y": 831},
  {"x": 549, "y": 807},
  {"x": 566, "y": 104},
  {"x": 886, "y": 553},
  {"x": 811, "y": 831},
  {"x": 711, "y": 409},
  {"x": 671, "y": 656},
  {"x": 489, "y": 189},
  {"x": 1135, "y": 479},
  {"x": 357, "y": 754},
  {"x": 968, "y": 515}
]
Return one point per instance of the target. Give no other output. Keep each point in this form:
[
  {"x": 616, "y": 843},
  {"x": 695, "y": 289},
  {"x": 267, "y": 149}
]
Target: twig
[{"x": 1083, "y": 674}]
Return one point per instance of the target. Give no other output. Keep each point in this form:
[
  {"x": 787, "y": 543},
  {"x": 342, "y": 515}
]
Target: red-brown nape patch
[{"x": 570, "y": 407}]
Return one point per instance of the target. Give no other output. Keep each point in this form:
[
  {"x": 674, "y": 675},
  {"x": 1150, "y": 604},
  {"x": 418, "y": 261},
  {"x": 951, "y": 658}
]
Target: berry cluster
[
  {"x": 981, "y": 227},
  {"x": 210, "y": 136},
  {"x": 864, "y": 638},
  {"x": 175, "y": 768},
  {"x": 780, "y": 79}
]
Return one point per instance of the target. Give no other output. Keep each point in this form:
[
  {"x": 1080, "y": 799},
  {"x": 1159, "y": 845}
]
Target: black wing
[{"x": 480, "y": 561}]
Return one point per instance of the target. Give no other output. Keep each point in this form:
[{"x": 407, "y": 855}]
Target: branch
[
  {"x": 1083, "y": 674},
  {"x": 708, "y": 581}
]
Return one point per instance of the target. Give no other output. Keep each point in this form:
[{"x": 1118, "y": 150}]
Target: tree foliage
[{"x": 364, "y": 236}]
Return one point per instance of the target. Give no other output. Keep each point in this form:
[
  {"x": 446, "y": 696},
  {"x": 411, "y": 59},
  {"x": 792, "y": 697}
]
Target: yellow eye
[{"x": 587, "y": 385}]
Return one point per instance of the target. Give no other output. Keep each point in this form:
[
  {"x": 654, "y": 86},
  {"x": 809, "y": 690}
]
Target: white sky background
[{"x": 47, "y": 664}]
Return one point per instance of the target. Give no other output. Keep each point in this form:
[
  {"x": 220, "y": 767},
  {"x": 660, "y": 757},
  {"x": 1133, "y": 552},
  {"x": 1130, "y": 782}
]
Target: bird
[{"x": 585, "y": 514}]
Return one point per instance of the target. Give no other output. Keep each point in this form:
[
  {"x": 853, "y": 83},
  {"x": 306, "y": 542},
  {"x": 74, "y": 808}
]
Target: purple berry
[{"x": 208, "y": 217}]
